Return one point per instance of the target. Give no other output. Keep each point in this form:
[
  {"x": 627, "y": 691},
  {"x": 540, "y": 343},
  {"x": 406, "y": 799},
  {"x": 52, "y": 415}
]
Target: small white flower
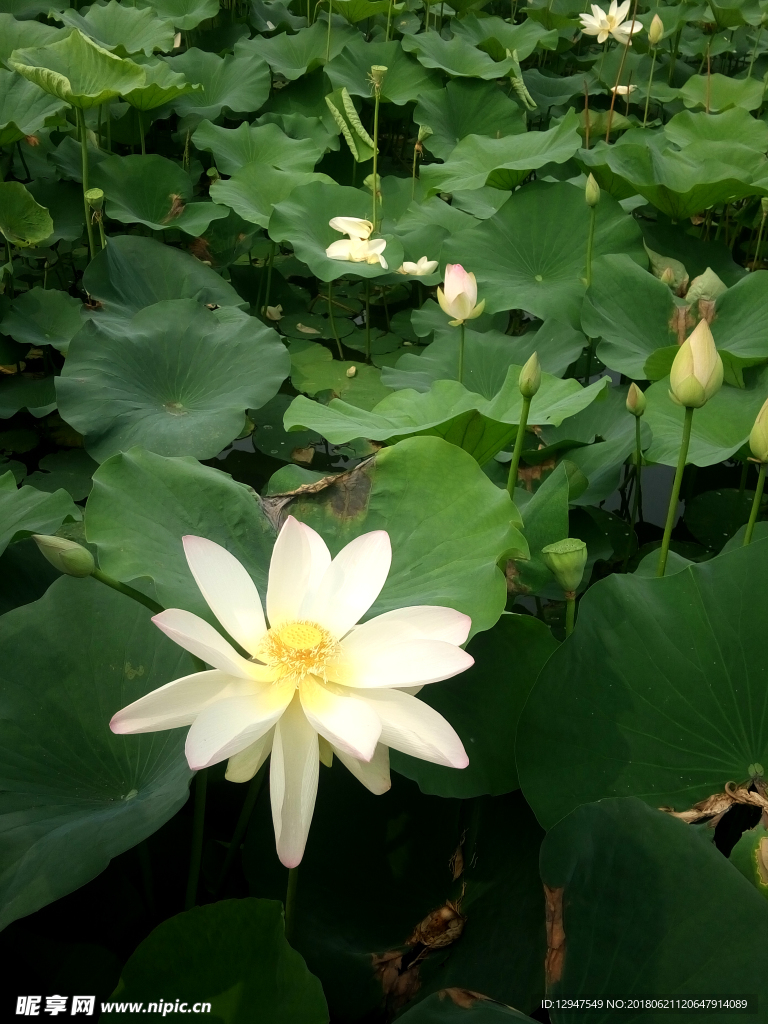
[
  {"x": 420, "y": 269},
  {"x": 623, "y": 90},
  {"x": 602, "y": 25},
  {"x": 315, "y": 683}
]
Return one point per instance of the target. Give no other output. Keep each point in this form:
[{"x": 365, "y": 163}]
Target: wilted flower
[
  {"x": 420, "y": 269},
  {"x": 697, "y": 370},
  {"x": 358, "y": 248},
  {"x": 758, "y": 438},
  {"x": 355, "y": 227},
  {"x": 623, "y": 90},
  {"x": 274, "y": 312},
  {"x": 458, "y": 297},
  {"x": 315, "y": 683},
  {"x": 602, "y": 25}
]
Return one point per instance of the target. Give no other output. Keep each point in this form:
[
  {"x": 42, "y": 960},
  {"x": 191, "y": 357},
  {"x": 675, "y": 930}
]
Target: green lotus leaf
[
  {"x": 234, "y": 148},
  {"x": 467, "y": 107},
  {"x": 38, "y": 394},
  {"x": 502, "y": 163},
  {"x": 484, "y": 705},
  {"x": 295, "y": 55},
  {"x": 439, "y": 1009},
  {"x": 649, "y": 905},
  {"x": 70, "y": 470},
  {"x": 740, "y": 327},
  {"x": 720, "y": 427},
  {"x": 15, "y": 34},
  {"x": 209, "y": 951},
  {"x": 404, "y": 81},
  {"x": 456, "y": 56},
  {"x": 314, "y": 370},
  {"x": 44, "y": 317},
  {"x": 255, "y": 190},
  {"x": 717, "y": 92},
  {"x": 27, "y": 510},
  {"x": 134, "y": 272},
  {"x": 154, "y": 191},
  {"x": 124, "y": 30},
  {"x": 360, "y": 10},
  {"x": 302, "y": 220},
  {"x": 480, "y": 426},
  {"x": 496, "y": 36},
  {"x": 549, "y": 90},
  {"x": 24, "y": 108},
  {"x": 78, "y": 71},
  {"x": 545, "y": 521},
  {"x": 161, "y": 86},
  {"x": 531, "y": 255},
  {"x": 176, "y": 380},
  {"x": 713, "y": 517},
  {"x": 645, "y": 691},
  {"x": 303, "y": 129},
  {"x": 74, "y": 794},
  {"x": 734, "y": 126},
  {"x": 232, "y": 84},
  {"x": 22, "y": 220},
  {"x": 185, "y": 14}
]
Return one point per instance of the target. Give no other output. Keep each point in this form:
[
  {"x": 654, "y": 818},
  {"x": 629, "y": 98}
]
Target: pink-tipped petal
[
  {"x": 178, "y": 703},
  {"x": 413, "y": 727},
  {"x": 230, "y": 725},
  {"x": 455, "y": 281},
  {"x": 409, "y": 663},
  {"x": 200, "y": 638},
  {"x": 293, "y": 775},
  {"x": 348, "y": 724},
  {"x": 352, "y": 583},
  {"x": 373, "y": 774}
]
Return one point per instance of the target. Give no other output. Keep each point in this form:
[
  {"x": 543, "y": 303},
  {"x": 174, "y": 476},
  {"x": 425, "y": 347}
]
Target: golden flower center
[{"x": 299, "y": 649}]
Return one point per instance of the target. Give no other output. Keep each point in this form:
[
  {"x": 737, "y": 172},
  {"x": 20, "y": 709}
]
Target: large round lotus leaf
[
  {"x": 25, "y": 510},
  {"x": 302, "y": 220},
  {"x": 647, "y": 906},
  {"x": 457, "y": 1006},
  {"x": 483, "y": 705},
  {"x": 43, "y": 317},
  {"x": 154, "y": 191},
  {"x": 70, "y": 469},
  {"x": 64, "y": 202},
  {"x": 74, "y": 794},
  {"x": 77, "y": 70},
  {"x": 24, "y": 108},
  {"x": 266, "y": 144},
  {"x": 660, "y": 691},
  {"x": 549, "y": 90},
  {"x": 255, "y": 190},
  {"x": 718, "y": 92},
  {"x": 314, "y": 370},
  {"x": 467, "y": 108},
  {"x": 531, "y": 255},
  {"x": 733, "y": 126},
  {"x": 720, "y": 427},
  {"x": 134, "y": 272},
  {"x": 496, "y": 36},
  {"x": 124, "y": 30},
  {"x": 404, "y": 81},
  {"x": 21, "y": 392},
  {"x": 479, "y": 425},
  {"x": 456, "y": 56},
  {"x": 502, "y": 163},
  {"x": 234, "y": 84},
  {"x": 22, "y": 220},
  {"x": 295, "y": 55},
  {"x": 176, "y": 380},
  {"x": 210, "y": 952},
  {"x": 185, "y": 14},
  {"x": 15, "y": 34},
  {"x": 740, "y": 326},
  {"x": 161, "y": 86}
]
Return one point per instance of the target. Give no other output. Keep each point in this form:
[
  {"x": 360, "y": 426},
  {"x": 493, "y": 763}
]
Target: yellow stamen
[{"x": 299, "y": 649}]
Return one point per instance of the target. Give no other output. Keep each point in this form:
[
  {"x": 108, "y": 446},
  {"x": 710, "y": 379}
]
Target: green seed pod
[
  {"x": 95, "y": 198},
  {"x": 566, "y": 560},
  {"x": 65, "y": 555},
  {"x": 530, "y": 377}
]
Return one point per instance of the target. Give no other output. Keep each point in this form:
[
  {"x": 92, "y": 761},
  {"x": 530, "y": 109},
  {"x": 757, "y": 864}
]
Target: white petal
[
  {"x": 200, "y": 638},
  {"x": 290, "y": 573},
  {"x": 242, "y": 766},
  {"x": 355, "y": 227},
  {"x": 352, "y": 582},
  {"x": 341, "y": 250},
  {"x": 230, "y": 725},
  {"x": 373, "y": 774},
  {"x": 410, "y": 663},
  {"x": 419, "y": 622},
  {"x": 320, "y": 558},
  {"x": 348, "y": 724},
  {"x": 179, "y": 702},
  {"x": 415, "y": 728},
  {"x": 293, "y": 775},
  {"x": 228, "y": 590}
]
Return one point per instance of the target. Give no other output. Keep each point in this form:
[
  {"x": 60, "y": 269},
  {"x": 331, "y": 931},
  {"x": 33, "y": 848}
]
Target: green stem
[
  {"x": 269, "y": 278},
  {"x": 367, "y": 321},
  {"x": 389, "y": 19},
  {"x": 123, "y": 588},
  {"x": 242, "y": 824},
  {"x": 23, "y": 161},
  {"x": 198, "y": 826},
  {"x": 84, "y": 150},
  {"x": 591, "y": 242},
  {"x": 141, "y": 135},
  {"x": 375, "y": 152},
  {"x": 618, "y": 76},
  {"x": 290, "y": 902},
  {"x": 413, "y": 173},
  {"x": 754, "y": 51},
  {"x": 570, "y": 612},
  {"x": 755, "y": 504},
  {"x": 461, "y": 355},
  {"x": 743, "y": 479},
  {"x": 673, "y": 498},
  {"x": 109, "y": 129},
  {"x": 333, "y": 320},
  {"x": 590, "y": 352},
  {"x": 517, "y": 450},
  {"x": 328, "y": 40},
  {"x": 650, "y": 83},
  {"x": 756, "y": 258},
  {"x": 636, "y": 495},
  {"x": 673, "y": 61},
  {"x": 9, "y": 257}
]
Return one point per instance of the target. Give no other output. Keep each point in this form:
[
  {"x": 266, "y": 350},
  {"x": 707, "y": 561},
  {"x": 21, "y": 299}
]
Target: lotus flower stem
[
  {"x": 754, "y": 51},
  {"x": 758, "y": 249},
  {"x": 614, "y": 94},
  {"x": 328, "y": 40},
  {"x": 389, "y": 20},
  {"x": 84, "y": 150},
  {"x": 123, "y": 588},
  {"x": 650, "y": 83},
  {"x": 23, "y": 161},
  {"x": 332, "y": 319},
  {"x": 461, "y": 355},
  {"x": 198, "y": 828},
  {"x": 254, "y": 788},
  {"x": 367, "y": 321},
  {"x": 375, "y": 186},
  {"x": 673, "y": 53},
  {"x": 141, "y": 135},
  {"x": 269, "y": 275},
  {"x": 675, "y": 495},
  {"x": 755, "y": 504},
  {"x": 290, "y": 902},
  {"x": 109, "y": 129},
  {"x": 517, "y": 450},
  {"x": 570, "y": 612},
  {"x": 9, "y": 258},
  {"x": 591, "y": 242},
  {"x": 637, "y": 491}
]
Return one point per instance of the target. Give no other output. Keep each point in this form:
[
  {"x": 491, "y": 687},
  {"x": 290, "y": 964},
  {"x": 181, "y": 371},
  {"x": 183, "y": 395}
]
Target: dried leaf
[{"x": 553, "y": 965}]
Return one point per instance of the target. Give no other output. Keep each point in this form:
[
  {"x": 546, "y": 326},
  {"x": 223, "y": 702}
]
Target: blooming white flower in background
[
  {"x": 420, "y": 269},
  {"x": 602, "y": 25},
  {"x": 623, "y": 90},
  {"x": 315, "y": 683},
  {"x": 356, "y": 248},
  {"x": 458, "y": 296}
]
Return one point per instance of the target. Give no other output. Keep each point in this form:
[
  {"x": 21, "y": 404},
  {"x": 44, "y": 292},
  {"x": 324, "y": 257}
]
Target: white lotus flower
[
  {"x": 420, "y": 269},
  {"x": 458, "y": 296},
  {"x": 602, "y": 25},
  {"x": 623, "y": 90},
  {"x": 355, "y": 227},
  {"x": 315, "y": 683},
  {"x": 358, "y": 250}
]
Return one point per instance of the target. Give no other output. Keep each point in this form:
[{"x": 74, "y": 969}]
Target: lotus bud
[
  {"x": 592, "y": 191},
  {"x": 656, "y": 31},
  {"x": 636, "y": 400},
  {"x": 378, "y": 71},
  {"x": 566, "y": 560},
  {"x": 95, "y": 198},
  {"x": 530, "y": 377},
  {"x": 697, "y": 371},
  {"x": 65, "y": 555},
  {"x": 758, "y": 438}
]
